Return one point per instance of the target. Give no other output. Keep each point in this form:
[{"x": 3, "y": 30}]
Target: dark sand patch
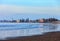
[{"x": 50, "y": 36}]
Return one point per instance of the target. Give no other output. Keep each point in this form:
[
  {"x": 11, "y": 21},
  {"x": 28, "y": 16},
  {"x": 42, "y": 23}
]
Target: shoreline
[{"x": 50, "y": 36}]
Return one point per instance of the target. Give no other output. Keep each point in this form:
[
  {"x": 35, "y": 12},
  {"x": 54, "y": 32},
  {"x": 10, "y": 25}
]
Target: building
[
  {"x": 18, "y": 21},
  {"x": 41, "y": 20}
]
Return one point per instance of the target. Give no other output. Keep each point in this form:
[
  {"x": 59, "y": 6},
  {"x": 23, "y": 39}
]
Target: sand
[{"x": 50, "y": 36}]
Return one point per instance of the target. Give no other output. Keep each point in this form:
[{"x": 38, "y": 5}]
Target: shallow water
[{"x": 26, "y": 29}]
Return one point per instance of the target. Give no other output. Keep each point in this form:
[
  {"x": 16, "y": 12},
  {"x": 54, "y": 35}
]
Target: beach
[{"x": 50, "y": 36}]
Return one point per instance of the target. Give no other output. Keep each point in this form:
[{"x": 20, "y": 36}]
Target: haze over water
[{"x": 32, "y": 9}]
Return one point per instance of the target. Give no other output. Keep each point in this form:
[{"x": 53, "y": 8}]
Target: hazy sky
[{"x": 29, "y": 8}]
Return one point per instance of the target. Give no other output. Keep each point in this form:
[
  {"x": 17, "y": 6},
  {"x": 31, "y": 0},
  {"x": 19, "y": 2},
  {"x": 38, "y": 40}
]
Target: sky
[{"x": 32, "y": 9}]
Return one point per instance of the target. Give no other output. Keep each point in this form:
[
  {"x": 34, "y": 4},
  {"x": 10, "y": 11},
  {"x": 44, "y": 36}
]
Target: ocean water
[{"x": 26, "y": 29}]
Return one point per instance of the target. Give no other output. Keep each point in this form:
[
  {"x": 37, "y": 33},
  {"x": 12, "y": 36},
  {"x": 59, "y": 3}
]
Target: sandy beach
[{"x": 50, "y": 36}]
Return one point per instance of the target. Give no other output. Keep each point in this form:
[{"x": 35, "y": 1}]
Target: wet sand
[{"x": 50, "y": 36}]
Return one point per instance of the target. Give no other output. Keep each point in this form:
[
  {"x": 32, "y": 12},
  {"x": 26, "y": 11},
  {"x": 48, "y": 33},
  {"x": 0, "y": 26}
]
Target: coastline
[{"x": 50, "y": 36}]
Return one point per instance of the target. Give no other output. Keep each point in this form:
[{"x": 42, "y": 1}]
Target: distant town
[{"x": 49, "y": 20}]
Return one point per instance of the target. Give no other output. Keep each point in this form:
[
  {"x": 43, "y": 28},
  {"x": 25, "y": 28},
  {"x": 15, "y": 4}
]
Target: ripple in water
[{"x": 26, "y": 29}]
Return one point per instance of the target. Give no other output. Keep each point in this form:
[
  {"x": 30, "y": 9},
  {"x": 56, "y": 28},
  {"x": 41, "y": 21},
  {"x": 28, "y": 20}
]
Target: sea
[{"x": 8, "y": 30}]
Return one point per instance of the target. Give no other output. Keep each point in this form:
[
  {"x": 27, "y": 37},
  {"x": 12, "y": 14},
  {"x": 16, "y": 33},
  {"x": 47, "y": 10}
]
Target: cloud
[{"x": 11, "y": 9}]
